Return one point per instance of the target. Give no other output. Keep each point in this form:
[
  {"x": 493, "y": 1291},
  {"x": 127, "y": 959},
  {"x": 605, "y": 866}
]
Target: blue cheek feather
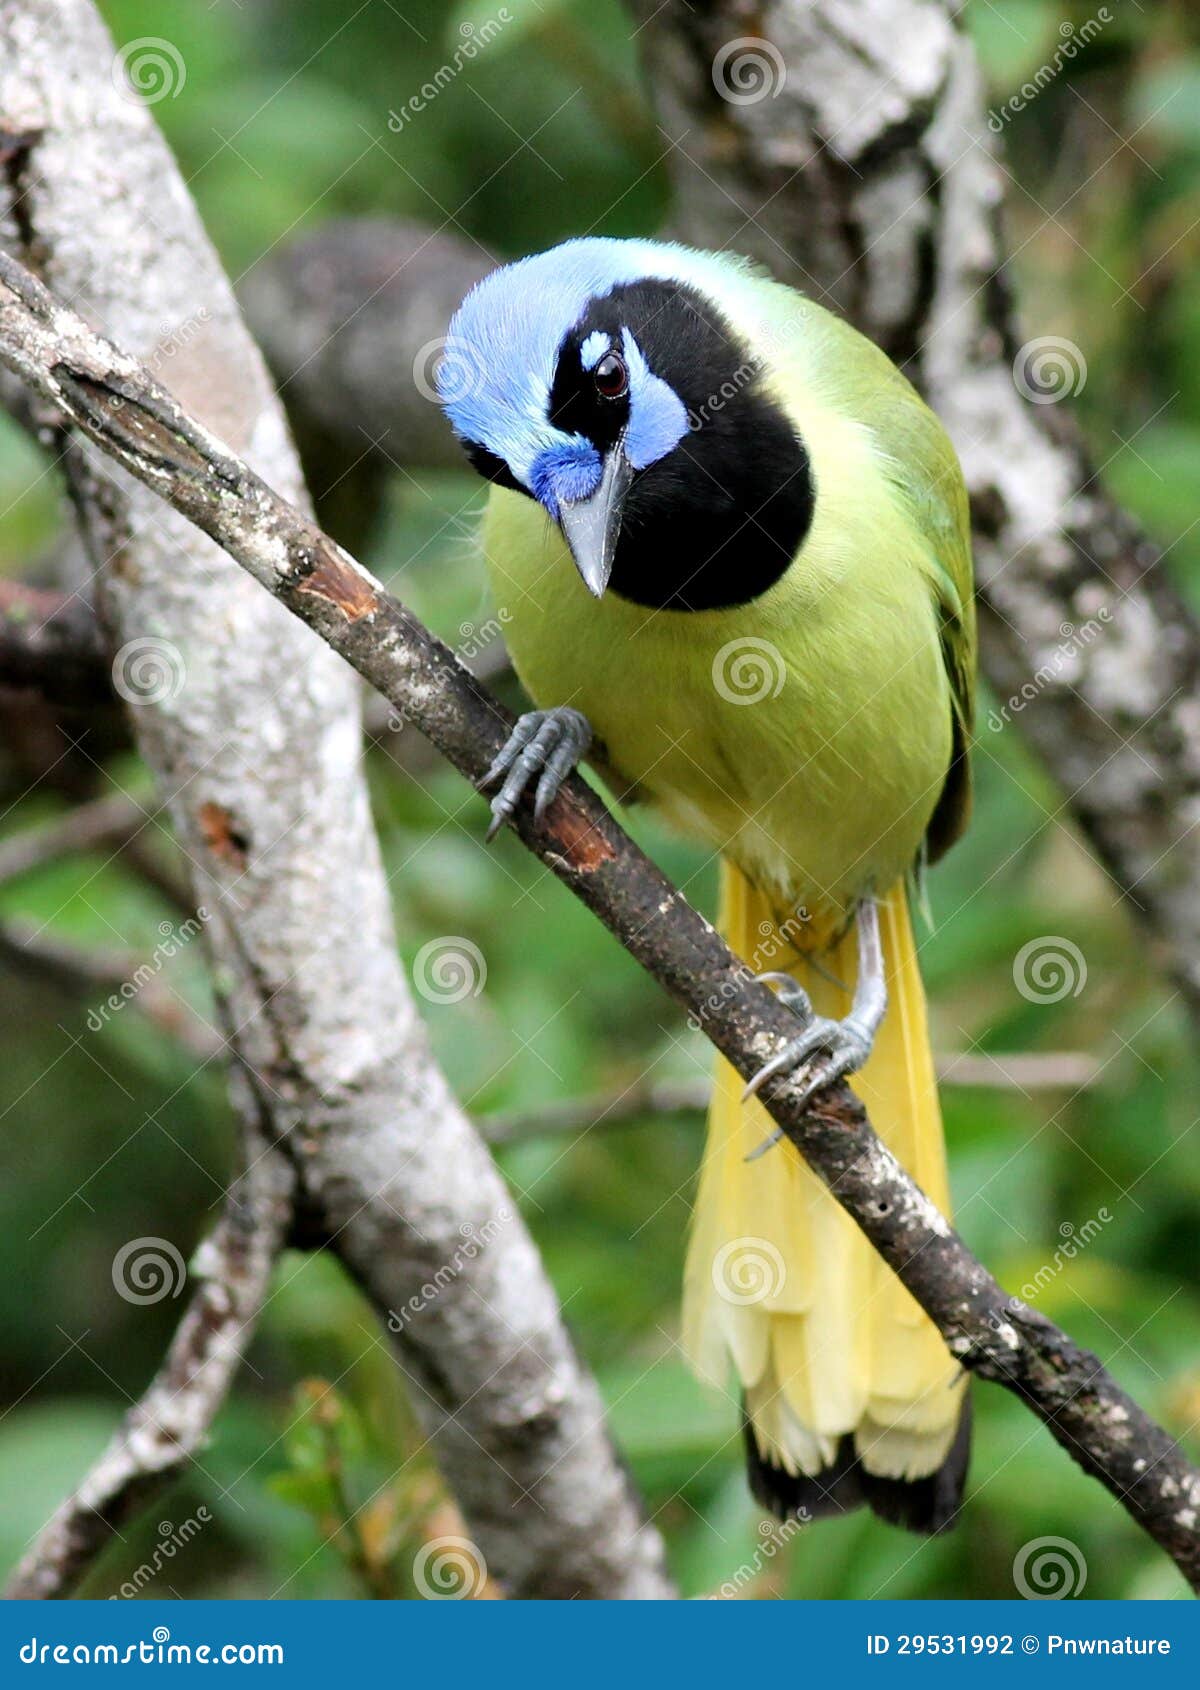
[
  {"x": 563, "y": 474},
  {"x": 657, "y": 418}
]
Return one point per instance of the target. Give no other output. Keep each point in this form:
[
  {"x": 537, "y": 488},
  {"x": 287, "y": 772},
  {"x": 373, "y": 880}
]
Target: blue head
[{"x": 578, "y": 377}]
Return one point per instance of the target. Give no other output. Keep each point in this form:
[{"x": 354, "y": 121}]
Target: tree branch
[
  {"x": 109, "y": 821},
  {"x": 1026, "y": 1070},
  {"x": 351, "y": 318},
  {"x": 163, "y": 1431},
  {"x": 252, "y": 727},
  {"x": 118, "y": 406},
  {"x": 52, "y": 642},
  {"x": 128, "y": 978}
]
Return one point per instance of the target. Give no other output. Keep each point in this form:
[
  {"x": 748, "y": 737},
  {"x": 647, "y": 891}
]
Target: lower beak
[{"x": 592, "y": 526}]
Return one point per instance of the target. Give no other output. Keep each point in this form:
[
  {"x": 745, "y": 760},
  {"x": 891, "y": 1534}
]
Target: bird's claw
[
  {"x": 846, "y": 1045},
  {"x": 545, "y": 743}
]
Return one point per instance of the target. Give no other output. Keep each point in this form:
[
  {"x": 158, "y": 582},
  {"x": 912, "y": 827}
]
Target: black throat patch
[{"x": 719, "y": 519}]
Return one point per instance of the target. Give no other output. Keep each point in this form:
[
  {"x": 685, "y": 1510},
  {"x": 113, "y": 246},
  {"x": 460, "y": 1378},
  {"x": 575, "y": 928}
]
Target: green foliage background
[{"x": 111, "y": 1136}]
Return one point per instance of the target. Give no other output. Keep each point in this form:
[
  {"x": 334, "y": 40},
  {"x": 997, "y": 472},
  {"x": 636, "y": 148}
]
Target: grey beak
[{"x": 592, "y": 526}]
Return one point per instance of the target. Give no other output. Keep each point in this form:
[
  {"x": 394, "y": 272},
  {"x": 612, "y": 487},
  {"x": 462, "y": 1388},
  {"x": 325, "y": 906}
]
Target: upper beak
[{"x": 592, "y": 526}]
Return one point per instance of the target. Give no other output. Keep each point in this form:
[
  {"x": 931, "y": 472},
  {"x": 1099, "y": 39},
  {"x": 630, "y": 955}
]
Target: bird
[{"x": 732, "y": 545}]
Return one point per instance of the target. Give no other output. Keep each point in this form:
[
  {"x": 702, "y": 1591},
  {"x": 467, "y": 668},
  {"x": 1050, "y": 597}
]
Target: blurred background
[{"x": 1073, "y": 1154}]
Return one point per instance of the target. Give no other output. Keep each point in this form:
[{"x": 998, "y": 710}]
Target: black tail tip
[{"x": 927, "y": 1506}]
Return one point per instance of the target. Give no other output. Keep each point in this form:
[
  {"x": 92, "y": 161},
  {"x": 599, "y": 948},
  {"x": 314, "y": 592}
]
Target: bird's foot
[
  {"x": 545, "y": 743},
  {"x": 827, "y": 1048}
]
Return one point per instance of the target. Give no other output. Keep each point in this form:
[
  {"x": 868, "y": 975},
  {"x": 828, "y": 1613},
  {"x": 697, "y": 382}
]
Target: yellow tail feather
[{"x": 780, "y": 1283}]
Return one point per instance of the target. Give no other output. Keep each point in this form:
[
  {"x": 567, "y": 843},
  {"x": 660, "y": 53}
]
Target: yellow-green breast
[{"x": 808, "y": 733}]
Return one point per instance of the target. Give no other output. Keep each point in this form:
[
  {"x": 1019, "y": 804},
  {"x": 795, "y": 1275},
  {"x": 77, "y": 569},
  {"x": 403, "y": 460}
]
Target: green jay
[{"x": 733, "y": 547}]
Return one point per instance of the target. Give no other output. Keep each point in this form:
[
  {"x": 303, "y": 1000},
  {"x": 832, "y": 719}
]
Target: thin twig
[
  {"x": 122, "y": 977},
  {"x": 164, "y": 1430},
  {"x": 115, "y": 402},
  {"x": 110, "y": 821},
  {"x": 1025, "y": 1070},
  {"x": 604, "y": 1109}
]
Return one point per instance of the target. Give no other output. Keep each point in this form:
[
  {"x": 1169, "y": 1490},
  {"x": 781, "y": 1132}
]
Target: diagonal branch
[
  {"x": 251, "y": 728},
  {"x": 116, "y": 404}
]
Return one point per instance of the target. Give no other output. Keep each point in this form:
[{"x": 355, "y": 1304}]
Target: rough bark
[
  {"x": 116, "y": 404},
  {"x": 866, "y": 175},
  {"x": 254, "y": 738}
]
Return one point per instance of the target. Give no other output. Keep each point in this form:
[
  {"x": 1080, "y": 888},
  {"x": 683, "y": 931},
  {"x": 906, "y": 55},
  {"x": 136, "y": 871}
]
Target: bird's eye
[{"x": 611, "y": 377}]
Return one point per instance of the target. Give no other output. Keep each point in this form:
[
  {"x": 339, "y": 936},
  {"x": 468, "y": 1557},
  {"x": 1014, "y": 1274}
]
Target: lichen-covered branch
[
  {"x": 251, "y": 727},
  {"x": 116, "y": 405}
]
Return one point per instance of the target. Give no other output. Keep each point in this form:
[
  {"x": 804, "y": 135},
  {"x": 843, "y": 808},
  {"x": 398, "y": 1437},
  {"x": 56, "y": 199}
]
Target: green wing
[
  {"x": 924, "y": 469},
  {"x": 916, "y": 455},
  {"x": 938, "y": 497}
]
